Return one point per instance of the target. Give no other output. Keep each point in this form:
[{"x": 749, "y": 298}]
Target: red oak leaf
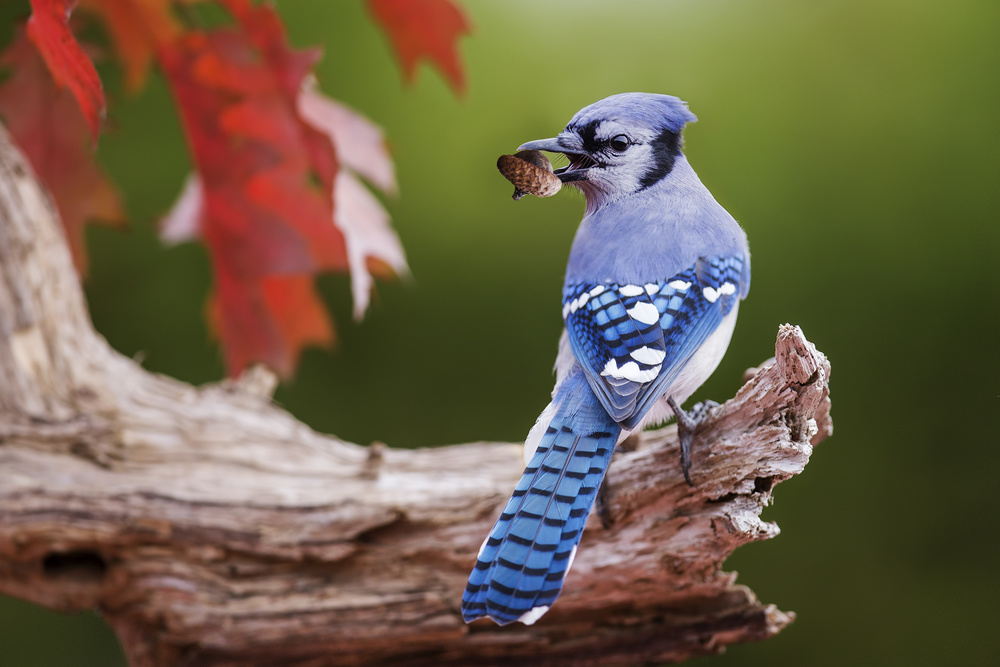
[
  {"x": 263, "y": 198},
  {"x": 373, "y": 248},
  {"x": 48, "y": 28},
  {"x": 372, "y": 245},
  {"x": 278, "y": 314},
  {"x": 299, "y": 313},
  {"x": 281, "y": 313},
  {"x": 136, "y": 28},
  {"x": 424, "y": 29},
  {"x": 183, "y": 222},
  {"x": 360, "y": 143},
  {"x": 47, "y": 124}
]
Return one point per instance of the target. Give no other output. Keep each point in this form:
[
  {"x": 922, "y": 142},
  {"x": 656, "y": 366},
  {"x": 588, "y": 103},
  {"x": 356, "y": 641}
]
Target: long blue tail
[{"x": 521, "y": 566}]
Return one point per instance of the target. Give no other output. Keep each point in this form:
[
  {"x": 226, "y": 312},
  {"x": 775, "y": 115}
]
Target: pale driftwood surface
[{"x": 210, "y": 527}]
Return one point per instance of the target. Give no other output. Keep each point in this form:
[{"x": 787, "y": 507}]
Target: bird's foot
[{"x": 687, "y": 422}]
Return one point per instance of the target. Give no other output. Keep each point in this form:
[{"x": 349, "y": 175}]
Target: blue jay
[{"x": 655, "y": 277}]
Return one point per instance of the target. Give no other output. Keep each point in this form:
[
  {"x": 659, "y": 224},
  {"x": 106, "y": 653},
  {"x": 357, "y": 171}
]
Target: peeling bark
[{"x": 210, "y": 527}]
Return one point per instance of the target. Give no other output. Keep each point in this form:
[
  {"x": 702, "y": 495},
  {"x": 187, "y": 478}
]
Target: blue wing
[{"x": 633, "y": 340}]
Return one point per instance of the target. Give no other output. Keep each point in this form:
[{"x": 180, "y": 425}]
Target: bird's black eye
[{"x": 619, "y": 143}]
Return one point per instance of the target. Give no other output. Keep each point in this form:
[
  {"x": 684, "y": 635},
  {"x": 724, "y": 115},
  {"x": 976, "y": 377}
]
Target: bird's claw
[{"x": 687, "y": 422}]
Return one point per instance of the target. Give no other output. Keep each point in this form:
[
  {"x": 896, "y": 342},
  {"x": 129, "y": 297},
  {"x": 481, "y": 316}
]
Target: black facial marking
[
  {"x": 666, "y": 148},
  {"x": 588, "y": 134}
]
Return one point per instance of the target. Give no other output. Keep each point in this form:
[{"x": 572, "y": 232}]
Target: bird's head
[{"x": 620, "y": 145}]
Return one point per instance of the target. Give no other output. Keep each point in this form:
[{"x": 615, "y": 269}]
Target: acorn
[{"x": 531, "y": 174}]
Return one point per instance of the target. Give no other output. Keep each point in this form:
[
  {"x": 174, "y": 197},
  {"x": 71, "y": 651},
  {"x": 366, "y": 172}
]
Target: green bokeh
[{"x": 856, "y": 141}]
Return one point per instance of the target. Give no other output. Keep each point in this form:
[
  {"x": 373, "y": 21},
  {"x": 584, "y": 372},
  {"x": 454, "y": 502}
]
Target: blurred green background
[{"x": 856, "y": 141}]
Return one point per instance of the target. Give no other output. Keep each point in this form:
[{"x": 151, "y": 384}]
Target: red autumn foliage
[
  {"x": 136, "y": 29},
  {"x": 424, "y": 29},
  {"x": 48, "y": 28},
  {"x": 373, "y": 249},
  {"x": 47, "y": 124},
  {"x": 261, "y": 214},
  {"x": 269, "y": 198}
]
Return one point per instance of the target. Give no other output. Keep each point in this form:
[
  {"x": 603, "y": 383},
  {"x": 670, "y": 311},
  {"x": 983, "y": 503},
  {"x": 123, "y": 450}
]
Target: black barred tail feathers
[{"x": 522, "y": 564}]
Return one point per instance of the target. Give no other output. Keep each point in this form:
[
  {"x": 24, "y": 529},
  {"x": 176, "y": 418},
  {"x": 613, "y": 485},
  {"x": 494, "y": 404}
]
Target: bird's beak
[
  {"x": 569, "y": 146},
  {"x": 551, "y": 145}
]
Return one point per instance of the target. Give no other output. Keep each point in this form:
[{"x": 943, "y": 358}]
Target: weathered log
[{"x": 210, "y": 527}]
